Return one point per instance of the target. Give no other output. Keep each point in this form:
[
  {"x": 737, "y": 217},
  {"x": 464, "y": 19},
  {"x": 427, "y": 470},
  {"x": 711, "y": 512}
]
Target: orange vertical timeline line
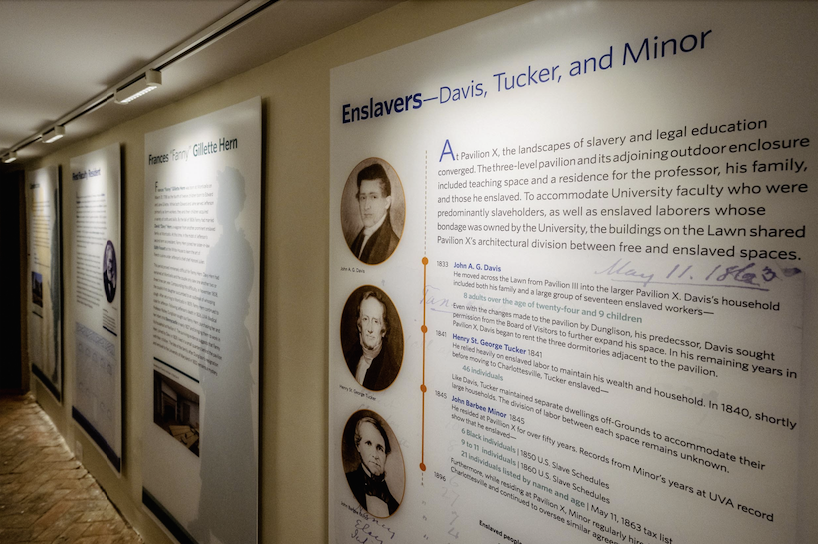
[
  {"x": 424, "y": 330},
  {"x": 423, "y": 327}
]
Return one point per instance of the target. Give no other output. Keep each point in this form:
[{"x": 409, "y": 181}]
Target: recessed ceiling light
[{"x": 10, "y": 157}]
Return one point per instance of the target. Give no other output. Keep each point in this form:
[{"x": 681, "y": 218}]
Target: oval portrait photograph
[
  {"x": 372, "y": 337},
  {"x": 373, "y": 211},
  {"x": 373, "y": 463},
  {"x": 109, "y": 271}
]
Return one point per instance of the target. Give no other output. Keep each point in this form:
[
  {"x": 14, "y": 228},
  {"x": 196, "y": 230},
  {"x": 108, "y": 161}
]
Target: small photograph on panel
[
  {"x": 109, "y": 271},
  {"x": 373, "y": 211},
  {"x": 372, "y": 338},
  {"x": 373, "y": 463},
  {"x": 37, "y": 288},
  {"x": 176, "y": 410}
]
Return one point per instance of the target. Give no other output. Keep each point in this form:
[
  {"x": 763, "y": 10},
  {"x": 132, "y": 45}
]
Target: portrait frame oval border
[
  {"x": 396, "y": 341},
  {"x": 351, "y": 223},
  {"x": 349, "y": 457}
]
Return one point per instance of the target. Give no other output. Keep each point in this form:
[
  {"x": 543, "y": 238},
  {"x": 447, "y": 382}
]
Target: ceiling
[{"x": 61, "y": 57}]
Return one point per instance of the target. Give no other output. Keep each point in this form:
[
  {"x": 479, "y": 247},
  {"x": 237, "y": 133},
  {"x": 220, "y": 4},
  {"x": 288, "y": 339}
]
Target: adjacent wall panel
[
  {"x": 96, "y": 286},
  {"x": 201, "y": 316},
  {"x": 44, "y": 293},
  {"x": 586, "y": 226}
]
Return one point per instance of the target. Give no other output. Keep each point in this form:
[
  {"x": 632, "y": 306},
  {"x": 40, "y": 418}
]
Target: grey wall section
[{"x": 295, "y": 99}]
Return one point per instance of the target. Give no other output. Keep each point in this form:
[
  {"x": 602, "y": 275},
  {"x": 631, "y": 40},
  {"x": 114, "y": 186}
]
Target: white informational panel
[
  {"x": 201, "y": 325},
  {"x": 44, "y": 293},
  {"x": 568, "y": 254},
  {"x": 94, "y": 208}
]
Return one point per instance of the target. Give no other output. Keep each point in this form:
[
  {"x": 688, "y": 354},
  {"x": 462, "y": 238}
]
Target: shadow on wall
[{"x": 229, "y": 472}]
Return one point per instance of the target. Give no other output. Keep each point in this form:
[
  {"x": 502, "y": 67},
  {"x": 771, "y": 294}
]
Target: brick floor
[{"x": 46, "y": 495}]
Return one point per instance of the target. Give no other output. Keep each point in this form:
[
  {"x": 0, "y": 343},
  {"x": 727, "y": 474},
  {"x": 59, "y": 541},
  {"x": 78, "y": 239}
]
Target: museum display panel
[
  {"x": 96, "y": 286},
  {"x": 201, "y": 316},
  {"x": 591, "y": 222},
  {"x": 44, "y": 293}
]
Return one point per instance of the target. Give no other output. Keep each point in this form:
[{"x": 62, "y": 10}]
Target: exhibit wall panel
[
  {"x": 201, "y": 266},
  {"x": 558, "y": 299},
  {"x": 96, "y": 284},
  {"x": 295, "y": 93},
  {"x": 44, "y": 278}
]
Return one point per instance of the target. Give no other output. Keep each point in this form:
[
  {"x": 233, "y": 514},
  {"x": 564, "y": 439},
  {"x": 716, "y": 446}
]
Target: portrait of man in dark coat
[
  {"x": 370, "y": 232},
  {"x": 372, "y": 338}
]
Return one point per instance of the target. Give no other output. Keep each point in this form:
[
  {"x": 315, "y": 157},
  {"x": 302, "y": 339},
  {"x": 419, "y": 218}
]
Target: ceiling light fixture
[
  {"x": 10, "y": 157},
  {"x": 151, "y": 80},
  {"x": 54, "y": 134}
]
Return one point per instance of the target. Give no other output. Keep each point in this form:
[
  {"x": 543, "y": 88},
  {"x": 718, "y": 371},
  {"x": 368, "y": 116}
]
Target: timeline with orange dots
[{"x": 562, "y": 310}]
